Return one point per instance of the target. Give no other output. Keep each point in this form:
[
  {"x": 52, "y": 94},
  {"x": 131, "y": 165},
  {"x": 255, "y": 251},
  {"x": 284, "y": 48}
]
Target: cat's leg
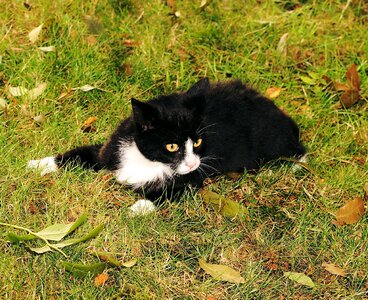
[{"x": 85, "y": 156}]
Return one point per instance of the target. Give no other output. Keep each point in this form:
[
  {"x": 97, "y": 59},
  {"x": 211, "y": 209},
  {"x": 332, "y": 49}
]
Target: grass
[{"x": 140, "y": 49}]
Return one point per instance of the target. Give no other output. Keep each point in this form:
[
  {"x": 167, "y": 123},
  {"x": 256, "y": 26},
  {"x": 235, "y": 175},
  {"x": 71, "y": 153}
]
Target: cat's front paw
[
  {"x": 142, "y": 207},
  {"x": 45, "y": 165}
]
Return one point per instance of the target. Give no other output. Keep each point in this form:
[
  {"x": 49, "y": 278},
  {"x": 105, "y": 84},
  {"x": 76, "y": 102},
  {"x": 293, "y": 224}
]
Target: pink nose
[{"x": 190, "y": 164}]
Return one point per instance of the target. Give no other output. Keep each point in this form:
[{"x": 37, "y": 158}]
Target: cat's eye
[
  {"x": 172, "y": 147},
  {"x": 197, "y": 143}
]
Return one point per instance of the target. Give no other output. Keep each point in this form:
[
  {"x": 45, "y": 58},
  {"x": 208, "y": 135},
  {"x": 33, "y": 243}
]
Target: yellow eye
[
  {"x": 172, "y": 147},
  {"x": 197, "y": 143}
]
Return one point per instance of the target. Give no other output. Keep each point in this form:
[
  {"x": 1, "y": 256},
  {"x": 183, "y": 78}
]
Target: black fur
[{"x": 240, "y": 129}]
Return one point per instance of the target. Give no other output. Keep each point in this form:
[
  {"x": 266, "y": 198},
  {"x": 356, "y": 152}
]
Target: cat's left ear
[
  {"x": 200, "y": 87},
  {"x": 144, "y": 114}
]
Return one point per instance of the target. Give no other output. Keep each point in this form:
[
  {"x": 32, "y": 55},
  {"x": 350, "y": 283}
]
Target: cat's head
[{"x": 169, "y": 128}]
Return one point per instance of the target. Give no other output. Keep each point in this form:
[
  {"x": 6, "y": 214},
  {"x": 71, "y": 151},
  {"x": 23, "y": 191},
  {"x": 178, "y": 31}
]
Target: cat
[{"x": 176, "y": 140}]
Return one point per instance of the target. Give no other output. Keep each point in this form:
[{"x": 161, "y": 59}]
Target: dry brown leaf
[
  {"x": 273, "y": 92},
  {"x": 87, "y": 124},
  {"x": 91, "y": 40},
  {"x": 352, "y": 77},
  {"x": 101, "y": 279},
  {"x": 349, "y": 98},
  {"x": 340, "y": 86},
  {"x": 350, "y": 213},
  {"x": 131, "y": 43},
  {"x": 331, "y": 268}
]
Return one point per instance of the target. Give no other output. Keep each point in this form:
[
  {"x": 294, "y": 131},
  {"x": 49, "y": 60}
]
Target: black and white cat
[{"x": 173, "y": 141}]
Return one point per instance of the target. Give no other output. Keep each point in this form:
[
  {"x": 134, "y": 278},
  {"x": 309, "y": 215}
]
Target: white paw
[
  {"x": 296, "y": 167},
  {"x": 46, "y": 165},
  {"x": 142, "y": 207}
]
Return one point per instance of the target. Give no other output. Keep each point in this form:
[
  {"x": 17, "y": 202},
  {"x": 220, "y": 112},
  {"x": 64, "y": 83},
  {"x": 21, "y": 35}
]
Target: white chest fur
[{"x": 136, "y": 170}]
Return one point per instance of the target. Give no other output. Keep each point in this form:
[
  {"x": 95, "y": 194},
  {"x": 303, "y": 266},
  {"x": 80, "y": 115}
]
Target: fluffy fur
[{"x": 218, "y": 128}]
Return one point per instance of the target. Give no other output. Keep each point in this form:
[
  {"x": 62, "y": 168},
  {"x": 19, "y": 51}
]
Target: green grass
[{"x": 289, "y": 227}]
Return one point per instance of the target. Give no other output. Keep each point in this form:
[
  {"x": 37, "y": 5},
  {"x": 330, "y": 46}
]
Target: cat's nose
[{"x": 190, "y": 164}]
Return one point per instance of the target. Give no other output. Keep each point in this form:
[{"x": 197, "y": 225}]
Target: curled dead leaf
[
  {"x": 87, "y": 125},
  {"x": 350, "y": 213},
  {"x": 352, "y": 77},
  {"x": 349, "y": 98},
  {"x": 273, "y": 92},
  {"x": 331, "y": 268},
  {"x": 101, "y": 279}
]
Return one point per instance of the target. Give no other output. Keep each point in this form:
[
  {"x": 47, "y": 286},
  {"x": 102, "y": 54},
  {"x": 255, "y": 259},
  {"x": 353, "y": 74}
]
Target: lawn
[{"x": 142, "y": 49}]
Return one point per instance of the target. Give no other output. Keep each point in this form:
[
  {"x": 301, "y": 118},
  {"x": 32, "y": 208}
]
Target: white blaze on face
[{"x": 190, "y": 162}]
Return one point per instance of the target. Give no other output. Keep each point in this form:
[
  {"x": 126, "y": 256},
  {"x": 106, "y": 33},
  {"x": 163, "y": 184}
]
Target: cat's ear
[
  {"x": 199, "y": 88},
  {"x": 144, "y": 114}
]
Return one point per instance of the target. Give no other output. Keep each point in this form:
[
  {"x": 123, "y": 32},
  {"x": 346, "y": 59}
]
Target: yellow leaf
[
  {"x": 300, "y": 278},
  {"x": 350, "y": 213},
  {"x": 34, "y": 33},
  {"x": 222, "y": 205},
  {"x": 101, "y": 279},
  {"x": 331, "y": 268},
  {"x": 273, "y": 92},
  {"x": 221, "y": 272}
]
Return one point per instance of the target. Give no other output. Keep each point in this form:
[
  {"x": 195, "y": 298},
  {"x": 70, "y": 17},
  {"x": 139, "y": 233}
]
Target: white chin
[{"x": 185, "y": 170}]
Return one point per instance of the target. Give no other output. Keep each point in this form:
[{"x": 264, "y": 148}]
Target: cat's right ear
[
  {"x": 144, "y": 114},
  {"x": 200, "y": 87}
]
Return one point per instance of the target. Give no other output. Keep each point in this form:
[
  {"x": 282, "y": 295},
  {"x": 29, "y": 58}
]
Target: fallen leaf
[
  {"x": 47, "y": 49},
  {"x": 349, "y": 98},
  {"x": 38, "y": 119},
  {"x": 352, "y": 77},
  {"x": 131, "y": 43},
  {"x": 93, "y": 25},
  {"x": 281, "y": 47},
  {"x": 340, "y": 86},
  {"x": 331, "y": 268},
  {"x": 350, "y": 213},
  {"x": 300, "y": 278},
  {"x": 129, "y": 263},
  {"x": 171, "y": 5},
  {"x": 91, "y": 40},
  {"x": 273, "y": 92},
  {"x": 34, "y": 33},
  {"x": 204, "y": 4},
  {"x": 58, "y": 231},
  {"x": 37, "y": 91},
  {"x": 84, "y": 88},
  {"x": 3, "y": 103},
  {"x": 221, "y": 272},
  {"x": 107, "y": 257},
  {"x": 87, "y": 125},
  {"x": 17, "y": 91},
  {"x": 222, "y": 205},
  {"x": 101, "y": 279},
  {"x": 81, "y": 270},
  {"x": 127, "y": 69},
  {"x": 307, "y": 80}
]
